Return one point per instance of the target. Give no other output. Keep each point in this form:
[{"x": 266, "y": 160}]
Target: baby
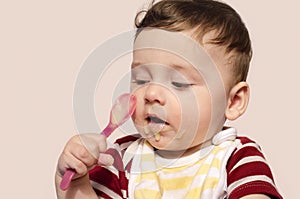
[{"x": 189, "y": 69}]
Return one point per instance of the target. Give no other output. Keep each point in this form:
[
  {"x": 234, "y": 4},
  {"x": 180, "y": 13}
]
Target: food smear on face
[
  {"x": 146, "y": 130},
  {"x": 155, "y": 125},
  {"x": 157, "y": 137}
]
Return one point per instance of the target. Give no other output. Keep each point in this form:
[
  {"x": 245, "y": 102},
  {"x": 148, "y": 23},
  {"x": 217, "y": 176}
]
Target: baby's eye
[
  {"x": 181, "y": 85},
  {"x": 140, "y": 81}
]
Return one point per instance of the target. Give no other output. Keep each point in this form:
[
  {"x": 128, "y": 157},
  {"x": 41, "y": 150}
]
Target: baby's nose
[{"x": 155, "y": 93}]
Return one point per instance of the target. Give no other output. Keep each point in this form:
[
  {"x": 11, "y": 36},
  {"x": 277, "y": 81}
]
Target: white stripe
[
  {"x": 186, "y": 172},
  {"x": 220, "y": 155},
  {"x": 130, "y": 152},
  {"x": 208, "y": 193},
  {"x": 112, "y": 169},
  {"x": 249, "y": 179},
  {"x": 189, "y": 172},
  {"x": 220, "y": 190},
  {"x": 241, "y": 146},
  {"x": 181, "y": 193},
  {"x": 247, "y": 160},
  {"x": 125, "y": 145},
  {"x": 105, "y": 190}
]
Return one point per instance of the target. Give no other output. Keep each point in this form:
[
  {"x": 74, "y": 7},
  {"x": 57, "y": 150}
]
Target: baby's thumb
[{"x": 105, "y": 159}]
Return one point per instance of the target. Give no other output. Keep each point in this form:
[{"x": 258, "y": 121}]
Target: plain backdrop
[{"x": 44, "y": 43}]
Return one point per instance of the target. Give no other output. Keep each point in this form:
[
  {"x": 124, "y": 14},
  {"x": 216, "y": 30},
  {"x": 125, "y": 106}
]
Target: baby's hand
[{"x": 82, "y": 153}]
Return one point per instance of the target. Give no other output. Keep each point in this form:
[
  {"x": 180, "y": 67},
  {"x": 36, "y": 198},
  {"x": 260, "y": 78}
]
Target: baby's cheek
[
  {"x": 133, "y": 117},
  {"x": 139, "y": 93},
  {"x": 137, "y": 116}
]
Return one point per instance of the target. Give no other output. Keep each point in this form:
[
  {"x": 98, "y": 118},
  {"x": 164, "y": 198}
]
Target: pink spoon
[{"x": 120, "y": 113}]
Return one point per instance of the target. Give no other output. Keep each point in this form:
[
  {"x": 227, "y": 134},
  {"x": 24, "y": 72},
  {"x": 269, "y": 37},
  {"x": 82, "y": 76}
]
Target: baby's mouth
[
  {"x": 155, "y": 125},
  {"x": 156, "y": 120}
]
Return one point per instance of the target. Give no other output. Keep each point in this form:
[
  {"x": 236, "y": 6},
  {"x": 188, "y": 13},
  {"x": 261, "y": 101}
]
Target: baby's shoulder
[
  {"x": 246, "y": 151},
  {"x": 248, "y": 170}
]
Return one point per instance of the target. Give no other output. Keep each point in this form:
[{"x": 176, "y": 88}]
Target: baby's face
[{"x": 174, "y": 102}]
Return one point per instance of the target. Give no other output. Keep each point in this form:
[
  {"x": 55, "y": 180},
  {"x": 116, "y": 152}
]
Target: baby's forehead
[
  {"x": 163, "y": 60},
  {"x": 164, "y": 46},
  {"x": 208, "y": 59},
  {"x": 161, "y": 56}
]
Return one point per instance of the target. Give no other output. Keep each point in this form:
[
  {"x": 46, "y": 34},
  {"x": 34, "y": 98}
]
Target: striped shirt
[{"x": 244, "y": 171}]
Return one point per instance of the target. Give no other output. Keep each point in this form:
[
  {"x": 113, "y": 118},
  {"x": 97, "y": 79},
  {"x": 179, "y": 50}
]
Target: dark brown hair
[{"x": 203, "y": 16}]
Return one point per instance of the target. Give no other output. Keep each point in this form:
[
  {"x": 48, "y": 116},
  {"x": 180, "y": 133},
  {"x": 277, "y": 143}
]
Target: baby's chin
[
  {"x": 159, "y": 144},
  {"x": 173, "y": 148},
  {"x": 166, "y": 144}
]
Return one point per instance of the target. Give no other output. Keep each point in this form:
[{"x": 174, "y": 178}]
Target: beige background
[{"x": 44, "y": 43}]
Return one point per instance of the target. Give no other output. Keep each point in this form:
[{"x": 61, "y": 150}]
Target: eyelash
[
  {"x": 177, "y": 85},
  {"x": 181, "y": 85},
  {"x": 140, "y": 81}
]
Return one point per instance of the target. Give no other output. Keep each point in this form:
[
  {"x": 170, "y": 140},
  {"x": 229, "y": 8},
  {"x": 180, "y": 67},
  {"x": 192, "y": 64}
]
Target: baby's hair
[{"x": 201, "y": 17}]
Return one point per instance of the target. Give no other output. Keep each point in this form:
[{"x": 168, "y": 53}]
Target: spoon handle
[
  {"x": 108, "y": 130},
  {"x": 123, "y": 100},
  {"x": 67, "y": 178}
]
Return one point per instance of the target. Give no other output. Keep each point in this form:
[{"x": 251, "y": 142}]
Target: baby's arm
[{"x": 82, "y": 152}]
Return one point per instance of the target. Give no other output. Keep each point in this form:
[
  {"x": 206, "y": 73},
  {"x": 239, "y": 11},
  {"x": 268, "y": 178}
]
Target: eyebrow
[
  {"x": 176, "y": 66},
  {"x": 187, "y": 68},
  {"x": 182, "y": 68},
  {"x": 179, "y": 67}
]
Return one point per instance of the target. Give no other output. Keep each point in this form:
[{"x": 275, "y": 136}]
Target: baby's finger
[
  {"x": 94, "y": 143},
  {"x": 105, "y": 159},
  {"x": 83, "y": 155},
  {"x": 68, "y": 161}
]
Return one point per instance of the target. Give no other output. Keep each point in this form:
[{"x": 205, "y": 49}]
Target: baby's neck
[{"x": 181, "y": 153}]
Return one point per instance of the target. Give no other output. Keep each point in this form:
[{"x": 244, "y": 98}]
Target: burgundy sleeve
[
  {"x": 248, "y": 172},
  {"x": 111, "y": 182}
]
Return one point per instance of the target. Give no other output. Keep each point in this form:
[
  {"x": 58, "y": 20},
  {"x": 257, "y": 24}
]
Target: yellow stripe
[
  {"x": 176, "y": 183},
  {"x": 146, "y": 193},
  {"x": 204, "y": 168},
  {"x": 185, "y": 182},
  {"x": 216, "y": 163},
  {"x": 210, "y": 183},
  {"x": 194, "y": 193},
  {"x": 216, "y": 150},
  {"x": 147, "y": 158}
]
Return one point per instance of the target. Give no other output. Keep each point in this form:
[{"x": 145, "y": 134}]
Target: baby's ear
[{"x": 238, "y": 99}]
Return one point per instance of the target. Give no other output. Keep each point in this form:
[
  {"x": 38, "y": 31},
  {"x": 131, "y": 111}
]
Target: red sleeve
[
  {"x": 103, "y": 179},
  {"x": 111, "y": 182},
  {"x": 248, "y": 172}
]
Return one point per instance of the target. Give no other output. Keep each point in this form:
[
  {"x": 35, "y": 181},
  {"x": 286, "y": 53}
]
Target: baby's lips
[
  {"x": 153, "y": 117},
  {"x": 156, "y": 127}
]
